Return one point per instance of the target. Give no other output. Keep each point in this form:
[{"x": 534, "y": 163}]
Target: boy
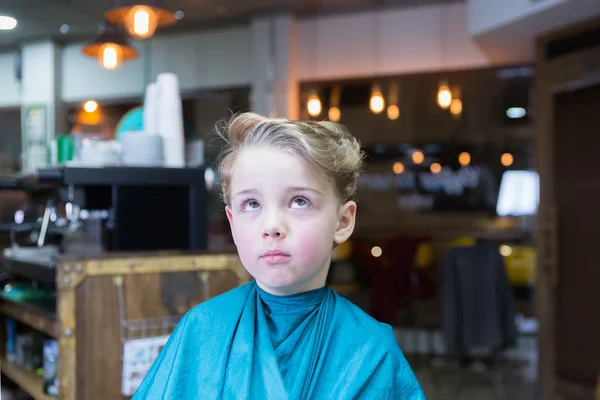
[{"x": 288, "y": 187}]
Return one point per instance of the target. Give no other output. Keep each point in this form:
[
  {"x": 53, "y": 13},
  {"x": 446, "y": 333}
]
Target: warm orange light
[
  {"x": 435, "y": 168},
  {"x": 141, "y": 22},
  {"x": 314, "y": 105},
  {"x": 110, "y": 55},
  {"x": 444, "y": 95},
  {"x": 456, "y": 107},
  {"x": 89, "y": 118},
  {"x": 377, "y": 103},
  {"x": 398, "y": 168},
  {"x": 393, "y": 112},
  {"x": 335, "y": 114},
  {"x": 464, "y": 158},
  {"x": 507, "y": 159},
  {"x": 418, "y": 157},
  {"x": 90, "y": 106}
]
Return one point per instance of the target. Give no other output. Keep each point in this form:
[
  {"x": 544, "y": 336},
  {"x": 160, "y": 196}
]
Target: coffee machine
[{"x": 128, "y": 208}]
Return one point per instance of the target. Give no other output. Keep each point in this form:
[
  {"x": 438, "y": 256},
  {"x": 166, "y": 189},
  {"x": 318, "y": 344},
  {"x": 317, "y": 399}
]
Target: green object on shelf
[
  {"x": 65, "y": 148},
  {"x": 22, "y": 292}
]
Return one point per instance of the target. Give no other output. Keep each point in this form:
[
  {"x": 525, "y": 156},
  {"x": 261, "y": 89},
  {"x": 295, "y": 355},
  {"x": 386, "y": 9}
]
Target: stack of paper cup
[
  {"x": 170, "y": 120},
  {"x": 151, "y": 109}
]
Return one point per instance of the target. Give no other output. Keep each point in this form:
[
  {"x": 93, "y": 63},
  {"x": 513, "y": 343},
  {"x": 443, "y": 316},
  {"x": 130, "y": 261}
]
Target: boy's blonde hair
[{"x": 326, "y": 146}]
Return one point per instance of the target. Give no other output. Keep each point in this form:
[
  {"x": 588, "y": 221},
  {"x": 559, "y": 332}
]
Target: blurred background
[{"x": 476, "y": 211}]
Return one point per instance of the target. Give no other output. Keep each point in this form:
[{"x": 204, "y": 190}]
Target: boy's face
[{"x": 285, "y": 219}]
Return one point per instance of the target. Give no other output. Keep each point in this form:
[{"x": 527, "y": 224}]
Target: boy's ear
[
  {"x": 230, "y": 219},
  {"x": 346, "y": 221}
]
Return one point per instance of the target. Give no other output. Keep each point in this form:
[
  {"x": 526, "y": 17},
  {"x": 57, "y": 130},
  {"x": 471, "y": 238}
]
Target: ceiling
[{"x": 42, "y": 19}]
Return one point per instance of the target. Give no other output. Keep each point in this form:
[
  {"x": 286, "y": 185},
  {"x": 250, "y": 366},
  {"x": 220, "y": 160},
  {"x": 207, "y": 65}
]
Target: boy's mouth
[{"x": 275, "y": 257}]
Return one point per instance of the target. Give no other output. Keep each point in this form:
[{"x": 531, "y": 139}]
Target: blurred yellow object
[
  {"x": 520, "y": 266},
  {"x": 342, "y": 251},
  {"x": 466, "y": 241},
  {"x": 424, "y": 255}
]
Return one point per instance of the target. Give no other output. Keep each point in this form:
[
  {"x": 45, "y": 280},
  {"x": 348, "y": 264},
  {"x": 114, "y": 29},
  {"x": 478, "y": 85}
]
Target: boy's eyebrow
[{"x": 302, "y": 189}]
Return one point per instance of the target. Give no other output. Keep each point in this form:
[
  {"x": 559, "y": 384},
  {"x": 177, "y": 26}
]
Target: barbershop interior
[{"x": 475, "y": 214}]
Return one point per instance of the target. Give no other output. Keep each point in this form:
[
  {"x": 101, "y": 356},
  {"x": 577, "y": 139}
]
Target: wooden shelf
[
  {"x": 28, "y": 381},
  {"x": 39, "y": 316}
]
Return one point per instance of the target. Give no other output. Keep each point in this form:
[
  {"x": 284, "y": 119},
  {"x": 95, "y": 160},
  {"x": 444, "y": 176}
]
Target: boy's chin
[{"x": 288, "y": 286}]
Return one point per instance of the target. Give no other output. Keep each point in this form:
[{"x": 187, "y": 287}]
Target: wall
[
  {"x": 508, "y": 33},
  {"x": 41, "y": 87},
  {"x": 208, "y": 59},
  {"x": 83, "y": 78},
  {"x": 202, "y": 60},
  {"x": 485, "y": 15},
  {"x": 391, "y": 41},
  {"x": 10, "y": 88}
]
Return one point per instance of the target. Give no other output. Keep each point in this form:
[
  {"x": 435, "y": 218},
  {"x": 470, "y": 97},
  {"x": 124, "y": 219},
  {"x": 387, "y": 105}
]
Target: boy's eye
[
  {"x": 250, "y": 205},
  {"x": 300, "y": 202}
]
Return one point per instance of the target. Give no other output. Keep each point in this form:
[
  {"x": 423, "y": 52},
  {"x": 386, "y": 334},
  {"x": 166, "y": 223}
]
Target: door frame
[{"x": 570, "y": 72}]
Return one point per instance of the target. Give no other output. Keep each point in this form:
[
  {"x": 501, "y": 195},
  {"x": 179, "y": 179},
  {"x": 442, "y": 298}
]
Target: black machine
[{"x": 144, "y": 208}]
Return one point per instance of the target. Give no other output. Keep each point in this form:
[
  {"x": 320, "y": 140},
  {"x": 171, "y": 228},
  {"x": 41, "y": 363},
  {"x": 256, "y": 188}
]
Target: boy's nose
[
  {"x": 276, "y": 234},
  {"x": 274, "y": 226},
  {"x": 274, "y": 231}
]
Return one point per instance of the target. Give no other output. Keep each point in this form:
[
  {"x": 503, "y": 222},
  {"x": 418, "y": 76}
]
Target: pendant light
[
  {"x": 140, "y": 17},
  {"x": 456, "y": 105},
  {"x": 393, "y": 112},
  {"x": 335, "y": 114},
  {"x": 444, "y": 95},
  {"x": 110, "y": 47},
  {"x": 313, "y": 105},
  {"x": 377, "y": 102}
]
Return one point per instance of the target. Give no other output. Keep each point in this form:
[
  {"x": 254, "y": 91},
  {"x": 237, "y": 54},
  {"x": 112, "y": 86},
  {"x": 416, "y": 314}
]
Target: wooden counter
[{"x": 99, "y": 298}]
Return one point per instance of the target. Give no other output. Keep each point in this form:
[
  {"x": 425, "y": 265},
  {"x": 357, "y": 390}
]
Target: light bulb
[
  {"x": 377, "y": 103},
  {"x": 506, "y": 159},
  {"x": 141, "y": 22},
  {"x": 505, "y": 250},
  {"x": 464, "y": 158},
  {"x": 335, "y": 114},
  {"x": 376, "y": 251},
  {"x": 7, "y": 23},
  {"x": 393, "y": 112},
  {"x": 90, "y": 106},
  {"x": 435, "y": 168},
  {"x": 444, "y": 96},
  {"x": 456, "y": 107},
  {"x": 418, "y": 157},
  {"x": 398, "y": 168},
  {"x": 314, "y": 105},
  {"x": 110, "y": 55}
]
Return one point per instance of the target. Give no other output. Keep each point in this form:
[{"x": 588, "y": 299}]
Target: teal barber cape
[{"x": 249, "y": 344}]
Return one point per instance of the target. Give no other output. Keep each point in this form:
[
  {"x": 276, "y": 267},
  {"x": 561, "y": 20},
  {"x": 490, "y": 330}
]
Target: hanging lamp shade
[
  {"x": 111, "y": 47},
  {"x": 140, "y": 17}
]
